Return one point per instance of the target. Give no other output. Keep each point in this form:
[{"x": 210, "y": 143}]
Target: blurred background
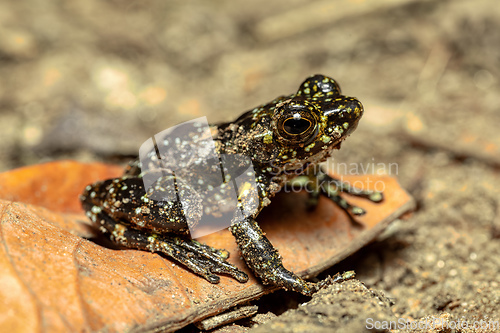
[{"x": 92, "y": 80}]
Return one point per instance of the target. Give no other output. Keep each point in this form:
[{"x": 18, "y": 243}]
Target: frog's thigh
[
  {"x": 199, "y": 258},
  {"x": 157, "y": 209}
]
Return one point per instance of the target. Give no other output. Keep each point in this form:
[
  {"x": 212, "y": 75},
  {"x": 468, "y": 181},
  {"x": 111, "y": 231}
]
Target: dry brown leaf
[{"x": 54, "y": 280}]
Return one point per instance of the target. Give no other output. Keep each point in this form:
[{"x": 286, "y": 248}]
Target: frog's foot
[
  {"x": 202, "y": 259},
  {"x": 331, "y": 187}
]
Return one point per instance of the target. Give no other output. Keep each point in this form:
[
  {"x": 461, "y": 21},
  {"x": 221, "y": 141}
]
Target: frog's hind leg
[{"x": 199, "y": 258}]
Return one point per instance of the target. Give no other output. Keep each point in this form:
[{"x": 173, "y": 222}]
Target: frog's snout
[{"x": 344, "y": 115}]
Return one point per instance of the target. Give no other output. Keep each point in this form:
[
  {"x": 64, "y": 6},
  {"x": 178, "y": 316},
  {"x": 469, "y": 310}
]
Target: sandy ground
[{"x": 92, "y": 80}]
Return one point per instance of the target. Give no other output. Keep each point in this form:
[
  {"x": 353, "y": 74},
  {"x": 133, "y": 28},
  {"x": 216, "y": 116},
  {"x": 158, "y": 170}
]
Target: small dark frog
[{"x": 285, "y": 140}]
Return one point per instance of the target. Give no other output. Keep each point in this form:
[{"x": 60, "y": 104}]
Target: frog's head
[{"x": 313, "y": 122}]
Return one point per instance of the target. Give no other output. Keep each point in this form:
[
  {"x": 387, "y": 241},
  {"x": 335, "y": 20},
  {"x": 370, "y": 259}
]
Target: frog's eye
[
  {"x": 296, "y": 125},
  {"x": 296, "y": 121}
]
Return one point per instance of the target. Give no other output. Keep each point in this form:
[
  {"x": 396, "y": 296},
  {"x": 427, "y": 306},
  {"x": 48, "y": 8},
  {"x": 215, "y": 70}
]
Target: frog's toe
[
  {"x": 198, "y": 247},
  {"x": 358, "y": 211},
  {"x": 376, "y": 196},
  {"x": 210, "y": 260},
  {"x": 342, "y": 203},
  {"x": 209, "y": 267},
  {"x": 195, "y": 265},
  {"x": 232, "y": 271}
]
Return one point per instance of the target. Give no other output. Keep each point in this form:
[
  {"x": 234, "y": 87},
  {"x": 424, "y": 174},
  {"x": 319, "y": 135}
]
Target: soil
[{"x": 92, "y": 80}]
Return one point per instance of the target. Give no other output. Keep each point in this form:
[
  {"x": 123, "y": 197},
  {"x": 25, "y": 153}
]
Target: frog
[{"x": 286, "y": 141}]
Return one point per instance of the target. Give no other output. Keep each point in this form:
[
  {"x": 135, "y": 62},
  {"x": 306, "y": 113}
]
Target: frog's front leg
[
  {"x": 264, "y": 259},
  {"x": 318, "y": 182}
]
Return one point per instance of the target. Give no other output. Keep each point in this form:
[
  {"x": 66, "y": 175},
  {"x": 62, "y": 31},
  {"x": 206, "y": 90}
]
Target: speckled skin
[{"x": 285, "y": 140}]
